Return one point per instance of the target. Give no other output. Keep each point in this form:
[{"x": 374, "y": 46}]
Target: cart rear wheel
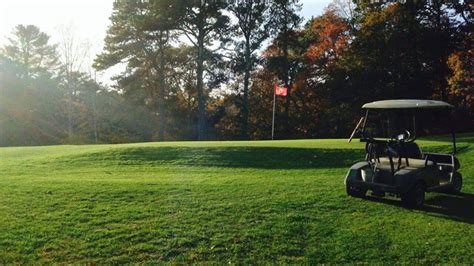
[
  {"x": 415, "y": 197},
  {"x": 355, "y": 191},
  {"x": 456, "y": 184}
]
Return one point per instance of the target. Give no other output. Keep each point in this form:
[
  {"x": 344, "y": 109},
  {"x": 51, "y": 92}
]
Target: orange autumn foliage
[{"x": 332, "y": 34}]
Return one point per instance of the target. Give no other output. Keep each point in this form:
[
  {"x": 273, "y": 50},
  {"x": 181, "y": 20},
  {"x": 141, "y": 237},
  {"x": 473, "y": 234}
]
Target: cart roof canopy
[{"x": 407, "y": 104}]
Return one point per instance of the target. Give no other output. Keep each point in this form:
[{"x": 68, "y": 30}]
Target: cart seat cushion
[{"x": 415, "y": 163}]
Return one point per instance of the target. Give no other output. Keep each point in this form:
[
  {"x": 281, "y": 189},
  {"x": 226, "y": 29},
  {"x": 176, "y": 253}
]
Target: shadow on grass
[
  {"x": 232, "y": 157},
  {"x": 458, "y": 207}
]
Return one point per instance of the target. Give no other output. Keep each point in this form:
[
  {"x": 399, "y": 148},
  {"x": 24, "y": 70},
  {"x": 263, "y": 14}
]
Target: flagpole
[{"x": 273, "y": 118}]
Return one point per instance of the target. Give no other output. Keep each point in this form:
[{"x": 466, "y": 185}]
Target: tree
[
  {"x": 252, "y": 26},
  {"x": 29, "y": 108},
  {"x": 284, "y": 21},
  {"x": 205, "y": 26},
  {"x": 332, "y": 38},
  {"x": 73, "y": 56},
  {"x": 440, "y": 27},
  {"x": 182, "y": 104},
  {"x": 344, "y": 8},
  {"x": 140, "y": 36},
  {"x": 391, "y": 48},
  {"x": 31, "y": 48},
  {"x": 328, "y": 38},
  {"x": 460, "y": 82}
]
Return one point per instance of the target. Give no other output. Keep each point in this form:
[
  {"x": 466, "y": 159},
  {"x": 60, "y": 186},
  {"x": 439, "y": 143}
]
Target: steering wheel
[{"x": 404, "y": 137}]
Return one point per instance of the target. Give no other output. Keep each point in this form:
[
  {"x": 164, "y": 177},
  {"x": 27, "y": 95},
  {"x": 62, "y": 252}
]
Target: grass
[{"x": 223, "y": 202}]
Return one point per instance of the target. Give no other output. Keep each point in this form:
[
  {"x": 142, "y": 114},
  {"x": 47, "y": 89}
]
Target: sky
[{"x": 89, "y": 19}]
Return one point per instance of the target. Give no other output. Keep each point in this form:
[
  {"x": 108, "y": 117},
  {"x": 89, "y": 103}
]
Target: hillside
[{"x": 225, "y": 202}]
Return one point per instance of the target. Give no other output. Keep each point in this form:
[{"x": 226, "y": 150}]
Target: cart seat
[{"x": 415, "y": 163}]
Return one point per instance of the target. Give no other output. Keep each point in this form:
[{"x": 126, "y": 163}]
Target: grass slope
[{"x": 237, "y": 202}]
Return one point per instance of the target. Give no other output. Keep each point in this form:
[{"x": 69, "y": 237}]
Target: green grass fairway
[{"x": 225, "y": 202}]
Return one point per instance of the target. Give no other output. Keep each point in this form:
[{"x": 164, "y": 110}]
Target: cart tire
[
  {"x": 355, "y": 191},
  {"x": 456, "y": 185},
  {"x": 415, "y": 197}
]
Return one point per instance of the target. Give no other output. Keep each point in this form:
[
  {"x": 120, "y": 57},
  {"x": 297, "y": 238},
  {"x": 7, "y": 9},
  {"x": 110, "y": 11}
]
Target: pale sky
[{"x": 89, "y": 18}]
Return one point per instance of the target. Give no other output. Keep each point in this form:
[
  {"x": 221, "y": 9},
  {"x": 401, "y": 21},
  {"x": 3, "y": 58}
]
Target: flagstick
[{"x": 273, "y": 119}]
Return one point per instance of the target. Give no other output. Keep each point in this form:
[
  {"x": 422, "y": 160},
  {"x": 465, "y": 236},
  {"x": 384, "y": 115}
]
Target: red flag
[{"x": 281, "y": 91}]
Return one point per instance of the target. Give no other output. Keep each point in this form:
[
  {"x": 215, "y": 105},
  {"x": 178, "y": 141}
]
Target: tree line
[{"x": 206, "y": 70}]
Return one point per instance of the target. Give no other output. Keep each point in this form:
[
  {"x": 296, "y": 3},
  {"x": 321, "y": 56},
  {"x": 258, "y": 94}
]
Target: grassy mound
[{"x": 237, "y": 202}]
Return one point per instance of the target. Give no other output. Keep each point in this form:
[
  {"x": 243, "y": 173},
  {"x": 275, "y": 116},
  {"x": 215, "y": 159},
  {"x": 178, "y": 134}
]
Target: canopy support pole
[
  {"x": 365, "y": 120},
  {"x": 414, "y": 126}
]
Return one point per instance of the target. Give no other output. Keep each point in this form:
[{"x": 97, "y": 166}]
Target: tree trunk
[
  {"x": 161, "y": 98},
  {"x": 200, "y": 89},
  {"x": 70, "y": 132},
  {"x": 94, "y": 102},
  {"x": 94, "y": 106},
  {"x": 245, "y": 105},
  {"x": 286, "y": 80},
  {"x": 189, "y": 117}
]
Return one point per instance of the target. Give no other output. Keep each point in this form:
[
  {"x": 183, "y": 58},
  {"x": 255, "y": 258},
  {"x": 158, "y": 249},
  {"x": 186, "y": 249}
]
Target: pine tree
[
  {"x": 140, "y": 35},
  {"x": 205, "y": 26}
]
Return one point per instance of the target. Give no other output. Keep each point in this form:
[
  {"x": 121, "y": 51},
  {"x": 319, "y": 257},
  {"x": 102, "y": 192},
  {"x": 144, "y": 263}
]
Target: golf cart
[{"x": 397, "y": 165}]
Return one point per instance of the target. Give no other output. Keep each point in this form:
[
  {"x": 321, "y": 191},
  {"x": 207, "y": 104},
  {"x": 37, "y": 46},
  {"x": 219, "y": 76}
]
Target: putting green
[{"x": 223, "y": 202}]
